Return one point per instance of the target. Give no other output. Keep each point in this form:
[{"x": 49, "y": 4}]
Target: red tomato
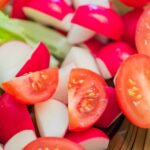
[
  {"x": 87, "y": 98},
  {"x": 143, "y": 33},
  {"x": 3, "y": 3},
  {"x": 34, "y": 87},
  {"x": 133, "y": 89},
  {"x": 135, "y": 3},
  {"x": 52, "y": 144}
]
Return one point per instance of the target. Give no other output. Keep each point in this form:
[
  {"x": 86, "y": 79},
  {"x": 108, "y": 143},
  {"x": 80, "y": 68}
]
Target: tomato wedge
[
  {"x": 87, "y": 98},
  {"x": 3, "y": 3},
  {"x": 47, "y": 143},
  {"x": 142, "y": 37},
  {"x": 33, "y": 87},
  {"x": 133, "y": 89}
]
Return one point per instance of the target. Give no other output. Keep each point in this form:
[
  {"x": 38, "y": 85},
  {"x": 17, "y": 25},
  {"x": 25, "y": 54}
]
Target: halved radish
[
  {"x": 112, "y": 111},
  {"x": 82, "y": 58},
  {"x": 34, "y": 62},
  {"x": 52, "y": 118},
  {"x": 14, "y": 117},
  {"x": 101, "y": 20},
  {"x": 49, "y": 12},
  {"x": 17, "y": 58},
  {"x": 68, "y": 2},
  {"x": 111, "y": 56},
  {"x": 62, "y": 88},
  {"x": 103, "y": 3},
  {"x": 79, "y": 34},
  {"x": 20, "y": 140},
  {"x": 91, "y": 139},
  {"x": 13, "y": 56},
  {"x": 17, "y": 9},
  {"x": 1, "y": 147}
]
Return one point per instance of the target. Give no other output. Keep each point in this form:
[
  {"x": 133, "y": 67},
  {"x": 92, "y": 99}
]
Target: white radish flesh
[
  {"x": 13, "y": 56},
  {"x": 62, "y": 88},
  {"x": 91, "y": 139},
  {"x": 52, "y": 118},
  {"x": 82, "y": 58},
  {"x": 79, "y": 34},
  {"x": 20, "y": 140}
]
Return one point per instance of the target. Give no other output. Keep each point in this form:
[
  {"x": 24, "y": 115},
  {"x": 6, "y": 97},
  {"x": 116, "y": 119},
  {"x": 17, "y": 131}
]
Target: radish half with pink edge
[
  {"x": 69, "y": 2},
  {"x": 104, "y": 21},
  {"x": 52, "y": 118},
  {"x": 112, "y": 111},
  {"x": 56, "y": 13},
  {"x": 14, "y": 118},
  {"x": 61, "y": 92},
  {"x": 110, "y": 57},
  {"x": 103, "y": 3},
  {"x": 1, "y": 147},
  {"x": 130, "y": 20},
  {"x": 17, "y": 9},
  {"x": 91, "y": 139},
  {"x": 82, "y": 58},
  {"x": 17, "y": 58}
]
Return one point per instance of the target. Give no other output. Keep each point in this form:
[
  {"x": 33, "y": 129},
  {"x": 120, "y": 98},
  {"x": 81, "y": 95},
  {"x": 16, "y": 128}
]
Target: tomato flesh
[
  {"x": 34, "y": 87},
  {"x": 3, "y": 3},
  {"x": 133, "y": 89},
  {"x": 48, "y": 143},
  {"x": 143, "y": 33},
  {"x": 87, "y": 98}
]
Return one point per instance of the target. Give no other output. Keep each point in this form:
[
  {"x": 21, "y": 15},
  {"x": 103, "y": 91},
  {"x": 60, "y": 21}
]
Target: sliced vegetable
[
  {"x": 91, "y": 139},
  {"x": 53, "y": 143},
  {"x": 37, "y": 86},
  {"x": 3, "y": 3},
  {"x": 52, "y": 118},
  {"x": 87, "y": 98},
  {"x": 132, "y": 87}
]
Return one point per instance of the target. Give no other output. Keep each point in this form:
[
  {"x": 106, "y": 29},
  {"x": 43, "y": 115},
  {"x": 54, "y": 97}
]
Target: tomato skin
[
  {"x": 135, "y": 3},
  {"x": 87, "y": 98},
  {"x": 3, "y": 3},
  {"x": 142, "y": 37},
  {"x": 33, "y": 87},
  {"x": 133, "y": 87},
  {"x": 52, "y": 143}
]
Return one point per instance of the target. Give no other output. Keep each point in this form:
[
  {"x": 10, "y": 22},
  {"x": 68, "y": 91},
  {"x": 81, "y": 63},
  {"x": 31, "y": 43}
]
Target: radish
[
  {"x": 101, "y": 20},
  {"x": 17, "y": 9},
  {"x": 69, "y": 2},
  {"x": 35, "y": 63},
  {"x": 49, "y": 12},
  {"x": 21, "y": 59},
  {"x": 91, "y": 139},
  {"x": 103, "y": 3},
  {"x": 52, "y": 118},
  {"x": 82, "y": 58},
  {"x": 112, "y": 111},
  {"x": 111, "y": 56},
  {"x": 14, "y": 118},
  {"x": 20, "y": 140},
  {"x": 62, "y": 88},
  {"x": 130, "y": 21},
  {"x": 1, "y": 147}
]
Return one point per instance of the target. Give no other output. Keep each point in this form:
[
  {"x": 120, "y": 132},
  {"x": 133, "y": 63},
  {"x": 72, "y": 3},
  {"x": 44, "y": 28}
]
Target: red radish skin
[
  {"x": 101, "y": 20},
  {"x": 112, "y": 55},
  {"x": 17, "y": 7},
  {"x": 14, "y": 117},
  {"x": 112, "y": 111},
  {"x": 130, "y": 20},
  {"x": 93, "y": 45},
  {"x": 135, "y": 3},
  {"x": 38, "y": 61},
  {"x": 91, "y": 139}
]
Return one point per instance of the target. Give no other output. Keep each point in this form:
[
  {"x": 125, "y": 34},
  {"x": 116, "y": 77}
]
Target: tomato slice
[
  {"x": 133, "y": 89},
  {"x": 142, "y": 37},
  {"x": 87, "y": 98},
  {"x": 47, "y": 143},
  {"x": 33, "y": 87},
  {"x": 3, "y": 3},
  {"x": 135, "y": 3}
]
